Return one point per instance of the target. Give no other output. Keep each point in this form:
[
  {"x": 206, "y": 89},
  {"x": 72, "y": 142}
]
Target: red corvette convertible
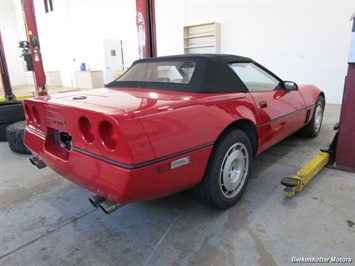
[{"x": 170, "y": 124}]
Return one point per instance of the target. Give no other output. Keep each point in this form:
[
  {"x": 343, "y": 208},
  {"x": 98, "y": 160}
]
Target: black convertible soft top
[{"x": 212, "y": 74}]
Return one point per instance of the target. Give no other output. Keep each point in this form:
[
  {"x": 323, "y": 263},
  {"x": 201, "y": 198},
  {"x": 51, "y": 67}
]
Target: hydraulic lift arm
[
  {"x": 35, "y": 51},
  {"x": 9, "y": 96},
  {"x": 146, "y": 28}
]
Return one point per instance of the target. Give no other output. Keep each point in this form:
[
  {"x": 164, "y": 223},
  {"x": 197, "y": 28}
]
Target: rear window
[{"x": 164, "y": 71}]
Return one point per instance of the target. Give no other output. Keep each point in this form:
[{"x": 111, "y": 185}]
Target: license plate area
[
  {"x": 58, "y": 143},
  {"x": 63, "y": 139}
]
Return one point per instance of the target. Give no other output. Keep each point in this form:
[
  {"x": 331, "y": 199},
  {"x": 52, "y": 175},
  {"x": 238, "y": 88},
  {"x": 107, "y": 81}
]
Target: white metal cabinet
[{"x": 89, "y": 79}]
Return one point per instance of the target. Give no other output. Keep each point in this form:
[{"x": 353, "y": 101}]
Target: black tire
[
  {"x": 227, "y": 172},
  {"x": 15, "y": 133},
  {"x": 312, "y": 129},
  {"x": 10, "y": 112},
  {"x": 3, "y": 131}
]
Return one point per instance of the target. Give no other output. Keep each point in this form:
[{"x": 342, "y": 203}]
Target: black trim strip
[
  {"x": 37, "y": 132},
  {"x": 139, "y": 165},
  {"x": 287, "y": 115},
  {"x": 128, "y": 166}
]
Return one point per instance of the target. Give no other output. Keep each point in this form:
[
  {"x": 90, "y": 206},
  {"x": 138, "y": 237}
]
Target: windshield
[{"x": 164, "y": 71}]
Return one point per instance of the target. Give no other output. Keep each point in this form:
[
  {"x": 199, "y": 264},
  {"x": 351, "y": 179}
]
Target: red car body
[{"x": 139, "y": 143}]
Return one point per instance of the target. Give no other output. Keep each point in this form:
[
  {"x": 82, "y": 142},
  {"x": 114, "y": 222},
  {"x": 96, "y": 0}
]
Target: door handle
[{"x": 263, "y": 104}]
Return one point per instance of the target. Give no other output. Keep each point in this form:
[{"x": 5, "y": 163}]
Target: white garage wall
[
  {"x": 304, "y": 41},
  {"x": 10, "y": 32},
  {"x": 73, "y": 34}
]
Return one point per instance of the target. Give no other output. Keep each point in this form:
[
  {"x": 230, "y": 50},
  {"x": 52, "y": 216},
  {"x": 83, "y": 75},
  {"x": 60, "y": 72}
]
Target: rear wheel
[
  {"x": 227, "y": 172},
  {"x": 311, "y": 130}
]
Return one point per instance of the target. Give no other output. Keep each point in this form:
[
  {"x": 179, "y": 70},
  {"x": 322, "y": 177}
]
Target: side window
[{"x": 254, "y": 78}]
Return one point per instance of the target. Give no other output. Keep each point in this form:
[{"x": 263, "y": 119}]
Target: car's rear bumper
[{"x": 121, "y": 183}]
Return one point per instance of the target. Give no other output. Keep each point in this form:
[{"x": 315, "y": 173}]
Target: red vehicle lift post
[
  {"x": 345, "y": 150},
  {"x": 146, "y": 28},
  {"x": 33, "y": 39}
]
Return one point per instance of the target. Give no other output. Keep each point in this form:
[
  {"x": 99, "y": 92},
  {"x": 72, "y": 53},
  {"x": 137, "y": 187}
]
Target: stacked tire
[
  {"x": 15, "y": 133},
  {"x": 11, "y": 112}
]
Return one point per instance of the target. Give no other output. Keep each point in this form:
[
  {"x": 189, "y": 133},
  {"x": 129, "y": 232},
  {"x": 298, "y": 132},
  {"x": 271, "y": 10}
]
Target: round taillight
[
  {"x": 86, "y": 129},
  {"x": 28, "y": 113},
  {"x": 109, "y": 135},
  {"x": 36, "y": 116}
]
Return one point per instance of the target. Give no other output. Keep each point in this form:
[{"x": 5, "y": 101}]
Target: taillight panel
[
  {"x": 109, "y": 135},
  {"x": 86, "y": 129},
  {"x": 103, "y": 133},
  {"x": 28, "y": 113},
  {"x": 89, "y": 131},
  {"x": 36, "y": 116}
]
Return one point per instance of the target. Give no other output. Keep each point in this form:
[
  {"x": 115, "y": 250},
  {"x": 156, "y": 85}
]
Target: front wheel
[{"x": 227, "y": 172}]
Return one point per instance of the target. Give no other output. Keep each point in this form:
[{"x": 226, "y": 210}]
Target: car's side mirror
[{"x": 290, "y": 85}]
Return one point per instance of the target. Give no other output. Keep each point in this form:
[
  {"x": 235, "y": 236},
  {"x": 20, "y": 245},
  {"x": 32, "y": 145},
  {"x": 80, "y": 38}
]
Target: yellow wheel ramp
[
  {"x": 296, "y": 183},
  {"x": 17, "y": 98}
]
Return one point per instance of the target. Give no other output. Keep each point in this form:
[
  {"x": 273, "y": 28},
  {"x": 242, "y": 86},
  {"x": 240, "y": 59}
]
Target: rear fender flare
[{"x": 248, "y": 127}]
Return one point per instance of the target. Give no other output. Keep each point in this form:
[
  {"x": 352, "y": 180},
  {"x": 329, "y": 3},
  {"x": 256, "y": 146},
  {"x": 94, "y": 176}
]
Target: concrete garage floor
[{"x": 46, "y": 220}]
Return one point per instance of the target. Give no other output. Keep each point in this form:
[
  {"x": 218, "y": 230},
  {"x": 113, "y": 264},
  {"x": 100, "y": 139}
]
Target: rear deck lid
[{"x": 138, "y": 102}]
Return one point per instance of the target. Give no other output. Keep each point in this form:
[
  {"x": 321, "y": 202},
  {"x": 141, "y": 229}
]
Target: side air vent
[{"x": 307, "y": 116}]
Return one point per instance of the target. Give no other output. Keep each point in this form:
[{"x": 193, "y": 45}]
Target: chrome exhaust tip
[
  {"x": 96, "y": 200},
  {"x": 109, "y": 206},
  {"x": 37, "y": 162}
]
